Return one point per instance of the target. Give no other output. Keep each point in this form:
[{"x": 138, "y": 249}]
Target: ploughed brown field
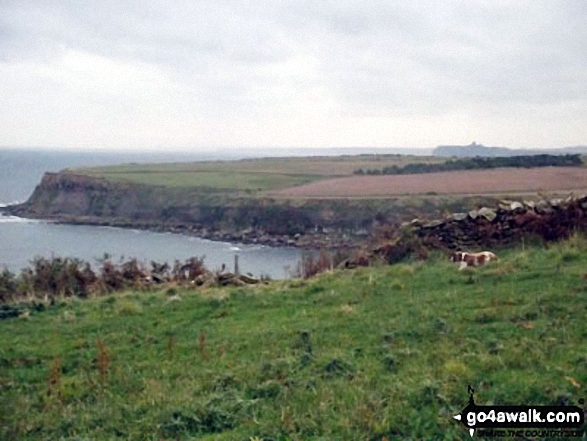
[{"x": 502, "y": 180}]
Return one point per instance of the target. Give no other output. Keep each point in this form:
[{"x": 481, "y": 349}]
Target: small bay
[{"x": 22, "y": 239}]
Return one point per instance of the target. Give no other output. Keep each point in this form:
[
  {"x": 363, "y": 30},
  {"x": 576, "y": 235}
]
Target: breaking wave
[
  {"x": 15, "y": 219},
  {"x": 6, "y": 204}
]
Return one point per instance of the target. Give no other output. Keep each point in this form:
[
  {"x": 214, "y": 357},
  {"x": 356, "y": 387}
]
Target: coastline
[{"x": 249, "y": 236}]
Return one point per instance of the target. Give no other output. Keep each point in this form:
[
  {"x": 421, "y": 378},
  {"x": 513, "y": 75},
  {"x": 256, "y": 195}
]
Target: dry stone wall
[{"x": 510, "y": 221}]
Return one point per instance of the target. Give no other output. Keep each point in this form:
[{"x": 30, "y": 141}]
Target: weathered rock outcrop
[{"x": 75, "y": 195}]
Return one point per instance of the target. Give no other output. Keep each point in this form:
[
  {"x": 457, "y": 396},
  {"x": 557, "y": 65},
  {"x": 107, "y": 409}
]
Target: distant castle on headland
[{"x": 475, "y": 149}]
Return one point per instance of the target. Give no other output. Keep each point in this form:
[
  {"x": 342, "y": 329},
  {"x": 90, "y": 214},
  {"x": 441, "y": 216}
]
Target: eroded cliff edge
[{"x": 81, "y": 199}]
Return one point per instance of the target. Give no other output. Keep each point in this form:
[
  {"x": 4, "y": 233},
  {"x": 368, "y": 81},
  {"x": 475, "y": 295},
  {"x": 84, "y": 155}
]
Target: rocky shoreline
[
  {"x": 307, "y": 241},
  {"x": 71, "y": 198}
]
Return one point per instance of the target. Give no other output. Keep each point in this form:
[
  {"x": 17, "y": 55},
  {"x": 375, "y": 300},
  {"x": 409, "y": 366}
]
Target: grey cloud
[
  {"x": 466, "y": 53},
  {"x": 212, "y": 48},
  {"x": 138, "y": 30},
  {"x": 371, "y": 58}
]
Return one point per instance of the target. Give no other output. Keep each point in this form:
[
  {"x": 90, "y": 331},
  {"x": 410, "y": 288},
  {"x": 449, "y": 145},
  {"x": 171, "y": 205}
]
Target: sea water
[{"x": 21, "y": 240}]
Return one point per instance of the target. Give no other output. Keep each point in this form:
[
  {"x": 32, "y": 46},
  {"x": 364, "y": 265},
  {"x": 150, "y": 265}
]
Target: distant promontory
[{"x": 475, "y": 149}]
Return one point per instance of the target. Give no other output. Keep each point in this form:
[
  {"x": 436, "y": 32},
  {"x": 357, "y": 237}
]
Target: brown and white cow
[{"x": 472, "y": 259}]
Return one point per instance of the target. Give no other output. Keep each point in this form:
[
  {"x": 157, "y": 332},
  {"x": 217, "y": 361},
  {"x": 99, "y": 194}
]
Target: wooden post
[{"x": 236, "y": 271}]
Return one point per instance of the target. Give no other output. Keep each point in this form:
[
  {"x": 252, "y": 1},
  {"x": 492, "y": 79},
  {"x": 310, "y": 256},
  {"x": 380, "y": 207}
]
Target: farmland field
[
  {"x": 495, "y": 181},
  {"x": 279, "y": 200},
  {"x": 249, "y": 174},
  {"x": 332, "y": 177}
]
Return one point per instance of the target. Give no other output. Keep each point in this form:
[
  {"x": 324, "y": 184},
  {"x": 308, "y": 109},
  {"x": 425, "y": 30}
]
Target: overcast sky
[{"x": 258, "y": 73}]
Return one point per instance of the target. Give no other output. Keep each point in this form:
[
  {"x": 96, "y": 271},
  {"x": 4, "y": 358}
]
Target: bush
[
  {"x": 477, "y": 163},
  {"x": 311, "y": 263},
  {"x": 58, "y": 276},
  {"x": 66, "y": 277},
  {"x": 7, "y": 286},
  {"x": 188, "y": 270}
]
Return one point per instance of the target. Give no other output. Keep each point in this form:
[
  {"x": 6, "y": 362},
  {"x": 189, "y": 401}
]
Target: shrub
[
  {"x": 188, "y": 270},
  {"x": 477, "y": 163},
  {"x": 49, "y": 278},
  {"x": 7, "y": 286},
  {"x": 311, "y": 263}
]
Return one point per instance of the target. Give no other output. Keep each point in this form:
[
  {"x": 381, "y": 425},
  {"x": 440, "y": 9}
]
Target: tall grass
[{"x": 373, "y": 353}]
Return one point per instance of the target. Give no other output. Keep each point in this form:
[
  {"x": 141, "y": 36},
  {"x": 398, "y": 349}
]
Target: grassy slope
[
  {"x": 358, "y": 354},
  {"x": 250, "y": 174}
]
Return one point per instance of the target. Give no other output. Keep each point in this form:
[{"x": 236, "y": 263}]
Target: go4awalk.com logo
[{"x": 547, "y": 421}]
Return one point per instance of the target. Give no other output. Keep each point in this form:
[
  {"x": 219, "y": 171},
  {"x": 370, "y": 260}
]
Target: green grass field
[
  {"x": 367, "y": 354},
  {"x": 249, "y": 174}
]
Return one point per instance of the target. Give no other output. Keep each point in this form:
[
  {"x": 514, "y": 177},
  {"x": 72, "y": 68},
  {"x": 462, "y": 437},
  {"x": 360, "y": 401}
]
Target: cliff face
[
  {"x": 76, "y": 195},
  {"x": 66, "y": 195},
  {"x": 75, "y": 198}
]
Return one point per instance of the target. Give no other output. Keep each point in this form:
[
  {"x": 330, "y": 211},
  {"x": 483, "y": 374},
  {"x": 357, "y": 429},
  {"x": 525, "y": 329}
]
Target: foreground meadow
[{"x": 367, "y": 354}]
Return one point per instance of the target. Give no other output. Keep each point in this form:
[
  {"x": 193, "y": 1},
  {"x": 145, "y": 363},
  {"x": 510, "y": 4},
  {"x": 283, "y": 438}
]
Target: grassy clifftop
[
  {"x": 248, "y": 176},
  {"x": 220, "y": 215},
  {"x": 306, "y": 202},
  {"x": 363, "y": 354}
]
